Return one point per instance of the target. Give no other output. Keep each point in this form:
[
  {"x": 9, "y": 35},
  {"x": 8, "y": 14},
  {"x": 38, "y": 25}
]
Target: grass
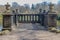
[
  {"x": 1, "y": 19},
  {"x": 58, "y": 22}
]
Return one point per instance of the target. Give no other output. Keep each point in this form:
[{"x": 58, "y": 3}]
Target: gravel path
[{"x": 25, "y": 32}]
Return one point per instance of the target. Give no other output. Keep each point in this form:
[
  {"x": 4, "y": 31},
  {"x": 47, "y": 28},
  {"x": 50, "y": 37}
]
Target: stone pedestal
[
  {"x": 52, "y": 19},
  {"x": 7, "y": 22}
]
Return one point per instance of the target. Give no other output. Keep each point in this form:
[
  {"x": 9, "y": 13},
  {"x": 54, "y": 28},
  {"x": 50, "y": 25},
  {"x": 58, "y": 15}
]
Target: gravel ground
[{"x": 30, "y": 32}]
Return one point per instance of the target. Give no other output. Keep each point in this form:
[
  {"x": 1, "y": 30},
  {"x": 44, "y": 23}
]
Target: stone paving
[{"x": 25, "y": 32}]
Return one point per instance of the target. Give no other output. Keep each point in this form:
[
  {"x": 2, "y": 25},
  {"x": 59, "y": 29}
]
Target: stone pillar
[
  {"x": 6, "y": 22},
  {"x": 52, "y": 20},
  {"x": 43, "y": 15},
  {"x": 52, "y": 16},
  {"x": 16, "y": 17}
]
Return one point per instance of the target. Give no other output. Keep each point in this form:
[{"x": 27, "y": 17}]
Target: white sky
[{"x": 2, "y": 2}]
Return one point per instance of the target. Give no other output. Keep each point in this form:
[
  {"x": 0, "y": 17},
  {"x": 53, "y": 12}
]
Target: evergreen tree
[{"x": 33, "y": 7}]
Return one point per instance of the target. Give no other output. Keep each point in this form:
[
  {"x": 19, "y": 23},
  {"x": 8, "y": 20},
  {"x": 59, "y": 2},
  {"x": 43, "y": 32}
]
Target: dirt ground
[{"x": 29, "y": 32}]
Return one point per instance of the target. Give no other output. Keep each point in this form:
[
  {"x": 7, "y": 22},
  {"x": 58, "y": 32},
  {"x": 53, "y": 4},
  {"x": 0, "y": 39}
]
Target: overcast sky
[{"x": 21, "y": 2}]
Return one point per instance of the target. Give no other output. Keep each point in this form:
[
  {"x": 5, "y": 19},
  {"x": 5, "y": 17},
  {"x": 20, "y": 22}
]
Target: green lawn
[
  {"x": 1, "y": 19},
  {"x": 58, "y": 22}
]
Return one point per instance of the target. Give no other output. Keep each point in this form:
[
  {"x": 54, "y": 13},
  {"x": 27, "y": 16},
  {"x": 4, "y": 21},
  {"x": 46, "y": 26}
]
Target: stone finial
[
  {"x": 16, "y": 10},
  {"x": 51, "y": 7},
  {"x": 7, "y": 6},
  {"x": 44, "y": 11},
  {"x": 13, "y": 11},
  {"x": 40, "y": 10}
]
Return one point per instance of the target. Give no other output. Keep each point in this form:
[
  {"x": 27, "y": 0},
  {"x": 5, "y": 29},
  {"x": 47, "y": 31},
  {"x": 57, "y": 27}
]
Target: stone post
[
  {"x": 16, "y": 17},
  {"x": 43, "y": 17},
  {"x": 7, "y": 24},
  {"x": 52, "y": 16}
]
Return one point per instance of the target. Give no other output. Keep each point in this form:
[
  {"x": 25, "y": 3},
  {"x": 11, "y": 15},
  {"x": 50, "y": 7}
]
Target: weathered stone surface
[{"x": 25, "y": 34}]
